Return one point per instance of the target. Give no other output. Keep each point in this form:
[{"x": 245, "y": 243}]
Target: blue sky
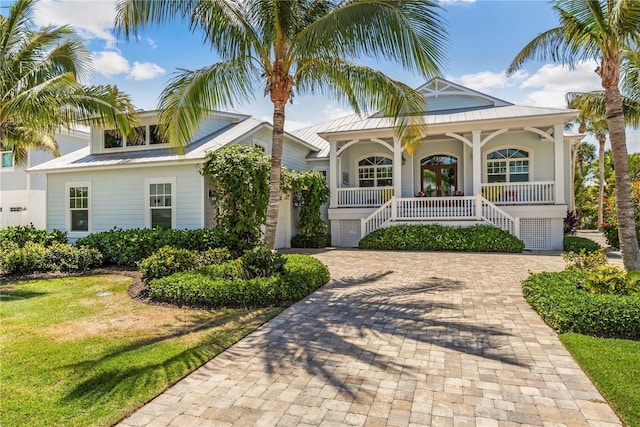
[{"x": 484, "y": 37}]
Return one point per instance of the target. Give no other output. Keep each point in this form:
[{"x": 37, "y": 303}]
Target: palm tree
[
  {"x": 304, "y": 45},
  {"x": 39, "y": 86},
  {"x": 600, "y": 30}
]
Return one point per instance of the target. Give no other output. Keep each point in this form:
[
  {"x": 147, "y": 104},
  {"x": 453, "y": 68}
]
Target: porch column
[
  {"x": 333, "y": 174},
  {"x": 476, "y": 156},
  {"x": 558, "y": 156},
  {"x": 397, "y": 167}
]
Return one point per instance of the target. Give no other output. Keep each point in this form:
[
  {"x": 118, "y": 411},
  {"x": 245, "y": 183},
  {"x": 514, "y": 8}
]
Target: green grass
[
  {"x": 614, "y": 366},
  {"x": 70, "y": 357}
]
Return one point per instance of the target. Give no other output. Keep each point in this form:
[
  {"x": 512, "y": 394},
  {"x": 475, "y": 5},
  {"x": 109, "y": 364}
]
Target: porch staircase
[{"x": 463, "y": 211}]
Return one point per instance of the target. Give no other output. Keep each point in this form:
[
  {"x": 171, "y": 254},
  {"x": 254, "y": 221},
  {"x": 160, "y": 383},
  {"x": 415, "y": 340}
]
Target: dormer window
[{"x": 140, "y": 136}]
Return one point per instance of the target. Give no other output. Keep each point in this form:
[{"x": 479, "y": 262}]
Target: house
[
  {"x": 139, "y": 182},
  {"x": 482, "y": 160},
  {"x": 22, "y": 195}
]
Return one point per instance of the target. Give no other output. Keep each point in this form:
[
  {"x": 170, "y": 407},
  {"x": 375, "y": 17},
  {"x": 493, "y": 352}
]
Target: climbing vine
[
  {"x": 310, "y": 192},
  {"x": 239, "y": 191}
]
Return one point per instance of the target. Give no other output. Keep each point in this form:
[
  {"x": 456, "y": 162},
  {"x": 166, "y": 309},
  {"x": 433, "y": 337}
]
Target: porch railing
[
  {"x": 429, "y": 208},
  {"x": 377, "y": 219},
  {"x": 520, "y": 193},
  {"x": 363, "y": 196}
]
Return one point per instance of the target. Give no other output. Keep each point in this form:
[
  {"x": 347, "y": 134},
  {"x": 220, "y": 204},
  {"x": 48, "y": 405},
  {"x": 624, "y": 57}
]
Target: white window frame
[
  {"x": 528, "y": 150},
  {"x": 375, "y": 167},
  {"x": 13, "y": 161},
  {"x": 67, "y": 209},
  {"x": 147, "y": 196}
]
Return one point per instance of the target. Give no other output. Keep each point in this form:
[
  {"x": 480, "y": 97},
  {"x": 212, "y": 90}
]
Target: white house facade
[
  {"x": 116, "y": 182},
  {"x": 482, "y": 161},
  {"x": 22, "y": 195}
]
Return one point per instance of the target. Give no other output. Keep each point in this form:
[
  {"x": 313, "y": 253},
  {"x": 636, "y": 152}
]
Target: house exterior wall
[
  {"x": 449, "y": 147},
  {"x": 21, "y": 190},
  {"x": 542, "y": 161},
  {"x": 117, "y": 197},
  {"x": 449, "y": 102}
]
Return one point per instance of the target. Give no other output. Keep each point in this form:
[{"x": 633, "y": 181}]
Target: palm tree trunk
[
  {"x": 624, "y": 203},
  {"x": 274, "y": 177},
  {"x": 602, "y": 139}
]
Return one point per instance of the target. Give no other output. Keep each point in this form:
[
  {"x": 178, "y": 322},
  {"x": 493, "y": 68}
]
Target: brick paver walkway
[{"x": 397, "y": 338}]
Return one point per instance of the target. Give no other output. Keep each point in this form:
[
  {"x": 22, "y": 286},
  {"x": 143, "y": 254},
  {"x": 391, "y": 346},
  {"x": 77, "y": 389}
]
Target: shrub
[
  {"x": 260, "y": 262},
  {"x": 65, "y": 257},
  {"x": 576, "y": 244},
  {"x": 567, "y": 308},
  {"x": 26, "y": 259},
  {"x": 434, "y": 237},
  {"x": 307, "y": 241},
  {"x": 215, "y": 256},
  {"x": 28, "y": 233},
  {"x": 610, "y": 279},
  {"x": 585, "y": 260},
  {"x": 166, "y": 261},
  {"x": 219, "y": 286},
  {"x": 126, "y": 247}
]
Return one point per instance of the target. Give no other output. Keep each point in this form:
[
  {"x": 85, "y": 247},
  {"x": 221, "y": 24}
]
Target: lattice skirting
[
  {"x": 536, "y": 233},
  {"x": 349, "y": 233}
]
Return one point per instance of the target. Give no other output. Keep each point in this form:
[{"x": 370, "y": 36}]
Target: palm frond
[
  {"x": 410, "y": 33},
  {"x": 367, "y": 89},
  {"x": 593, "y": 107},
  {"x": 21, "y": 140},
  {"x": 191, "y": 95}
]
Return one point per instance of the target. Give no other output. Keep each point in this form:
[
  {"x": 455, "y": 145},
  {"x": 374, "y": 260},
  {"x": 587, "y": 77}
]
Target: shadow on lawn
[
  {"x": 8, "y": 294},
  {"x": 335, "y": 323}
]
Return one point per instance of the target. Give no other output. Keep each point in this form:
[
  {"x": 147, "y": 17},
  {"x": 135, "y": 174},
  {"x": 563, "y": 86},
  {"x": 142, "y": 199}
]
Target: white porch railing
[
  {"x": 472, "y": 208},
  {"x": 376, "y": 220},
  {"x": 363, "y": 196},
  {"x": 519, "y": 193},
  {"x": 429, "y": 208}
]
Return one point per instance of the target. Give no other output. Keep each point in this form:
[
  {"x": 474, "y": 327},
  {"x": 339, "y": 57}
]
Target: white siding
[
  {"x": 118, "y": 200},
  {"x": 448, "y": 102},
  {"x": 540, "y": 153}
]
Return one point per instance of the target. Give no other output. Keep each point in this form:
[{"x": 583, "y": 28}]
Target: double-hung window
[
  {"x": 78, "y": 207},
  {"x": 508, "y": 165},
  {"x": 160, "y": 203}
]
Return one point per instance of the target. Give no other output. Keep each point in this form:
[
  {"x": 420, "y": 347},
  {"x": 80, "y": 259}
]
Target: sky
[{"x": 484, "y": 37}]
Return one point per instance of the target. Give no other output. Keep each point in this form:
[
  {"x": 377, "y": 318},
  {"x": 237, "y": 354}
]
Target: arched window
[
  {"x": 375, "y": 171},
  {"x": 440, "y": 159},
  {"x": 508, "y": 165}
]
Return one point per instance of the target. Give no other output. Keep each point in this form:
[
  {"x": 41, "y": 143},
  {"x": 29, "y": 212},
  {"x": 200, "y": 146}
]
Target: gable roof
[
  {"x": 438, "y": 87},
  {"x": 194, "y": 153}
]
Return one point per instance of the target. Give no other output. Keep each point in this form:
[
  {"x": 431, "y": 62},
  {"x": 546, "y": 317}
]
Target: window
[
  {"x": 139, "y": 137},
  {"x": 6, "y": 158},
  {"x": 508, "y": 165},
  {"x": 376, "y": 171},
  {"x": 161, "y": 203},
  {"x": 78, "y": 197}
]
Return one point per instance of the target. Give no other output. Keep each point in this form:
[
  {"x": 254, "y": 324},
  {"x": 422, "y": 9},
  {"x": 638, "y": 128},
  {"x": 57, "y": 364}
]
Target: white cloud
[
  {"x": 110, "y": 63},
  {"x": 549, "y": 85},
  {"x": 152, "y": 43},
  {"x": 92, "y": 19},
  {"x": 145, "y": 71},
  {"x": 333, "y": 112},
  {"x": 485, "y": 81}
]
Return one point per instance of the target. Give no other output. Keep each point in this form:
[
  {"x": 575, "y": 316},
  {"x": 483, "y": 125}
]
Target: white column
[
  {"x": 476, "y": 156},
  {"x": 558, "y": 157},
  {"x": 397, "y": 167},
  {"x": 333, "y": 174}
]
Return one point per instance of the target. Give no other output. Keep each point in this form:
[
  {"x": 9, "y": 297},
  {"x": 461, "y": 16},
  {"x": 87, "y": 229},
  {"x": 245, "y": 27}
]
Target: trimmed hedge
[
  {"x": 57, "y": 257},
  {"x": 21, "y": 234},
  {"x": 434, "y": 237},
  {"x": 219, "y": 285},
  {"x": 126, "y": 247},
  {"x": 567, "y": 308},
  {"x": 306, "y": 241},
  {"x": 576, "y": 244}
]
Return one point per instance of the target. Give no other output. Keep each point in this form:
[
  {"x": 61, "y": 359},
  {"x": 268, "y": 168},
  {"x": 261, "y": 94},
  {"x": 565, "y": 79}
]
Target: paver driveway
[{"x": 397, "y": 338}]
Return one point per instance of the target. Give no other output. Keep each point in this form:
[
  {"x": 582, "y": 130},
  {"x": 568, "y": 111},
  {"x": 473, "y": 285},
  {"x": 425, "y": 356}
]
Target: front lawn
[
  {"x": 614, "y": 366},
  {"x": 79, "y": 351}
]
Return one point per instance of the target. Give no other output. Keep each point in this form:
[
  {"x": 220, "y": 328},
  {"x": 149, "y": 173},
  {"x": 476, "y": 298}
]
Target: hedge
[
  {"x": 434, "y": 237},
  {"x": 576, "y": 244},
  {"x": 57, "y": 257},
  {"x": 219, "y": 285},
  {"x": 307, "y": 241},
  {"x": 126, "y": 247},
  {"x": 567, "y": 308},
  {"x": 21, "y": 234}
]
